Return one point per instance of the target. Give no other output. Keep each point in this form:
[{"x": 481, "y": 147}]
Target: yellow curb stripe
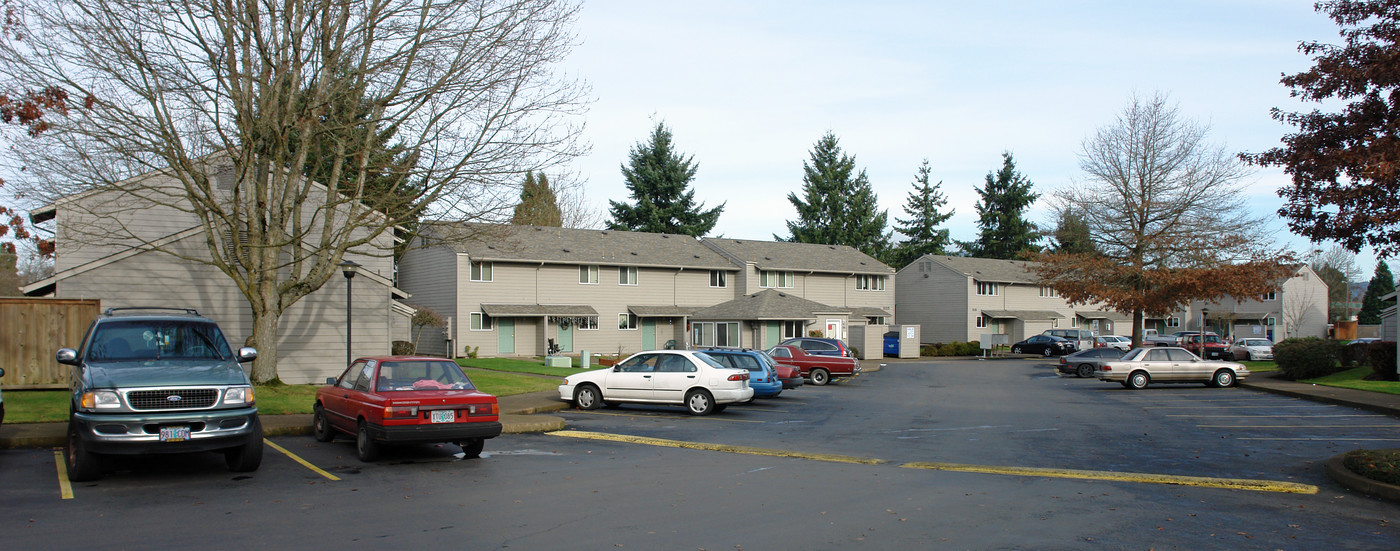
[
  {"x": 588, "y": 435},
  {"x": 64, "y": 488},
  {"x": 664, "y": 416},
  {"x": 1313, "y": 406},
  {"x": 303, "y": 462},
  {"x": 1206, "y": 482},
  {"x": 1299, "y": 426},
  {"x": 1295, "y": 416}
]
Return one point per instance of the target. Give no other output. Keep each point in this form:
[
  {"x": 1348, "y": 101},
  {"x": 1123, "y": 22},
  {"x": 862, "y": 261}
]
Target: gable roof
[
  {"x": 986, "y": 269},
  {"x": 799, "y": 257},
  {"x": 767, "y": 304},
  {"x": 504, "y": 243}
]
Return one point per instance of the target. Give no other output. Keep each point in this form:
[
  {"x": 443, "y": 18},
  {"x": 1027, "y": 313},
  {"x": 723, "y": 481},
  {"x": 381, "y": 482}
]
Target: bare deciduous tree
[
  {"x": 1337, "y": 268},
  {"x": 1166, "y": 211},
  {"x": 465, "y": 90}
]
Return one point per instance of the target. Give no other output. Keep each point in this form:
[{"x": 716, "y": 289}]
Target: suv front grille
[{"x": 174, "y": 398}]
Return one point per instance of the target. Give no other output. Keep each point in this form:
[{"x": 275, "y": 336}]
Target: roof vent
[
  {"x": 491, "y": 247},
  {"x": 768, "y": 258},
  {"x": 862, "y": 263},
  {"x": 664, "y": 236},
  {"x": 782, "y": 294},
  {"x": 695, "y": 255}
]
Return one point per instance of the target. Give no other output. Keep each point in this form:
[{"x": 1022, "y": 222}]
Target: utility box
[
  {"x": 868, "y": 340},
  {"x": 909, "y": 337},
  {"x": 558, "y": 361}
]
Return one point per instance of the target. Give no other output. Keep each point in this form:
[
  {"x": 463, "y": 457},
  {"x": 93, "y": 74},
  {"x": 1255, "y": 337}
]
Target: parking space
[{"x": 1242, "y": 414}]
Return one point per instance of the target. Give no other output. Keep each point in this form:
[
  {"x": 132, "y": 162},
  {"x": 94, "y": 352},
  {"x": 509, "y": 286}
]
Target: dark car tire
[
  {"x": 1047, "y": 352},
  {"x": 1015, "y": 350},
  {"x": 365, "y": 446},
  {"x": 1084, "y": 371},
  {"x": 471, "y": 449},
  {"x": 719, "y": 408},
  {"x": 1223, "y": 378},
  {"x": 699, "y": 402},
  {"x": 588, "y": 397},
  {"x": 248, "y": 457},
  {"x": 820, "y": 377},
  {"x": 320, "y": 426},
  {"x": 82, "y": 465},
  {"x": 1137, "y": 380}
]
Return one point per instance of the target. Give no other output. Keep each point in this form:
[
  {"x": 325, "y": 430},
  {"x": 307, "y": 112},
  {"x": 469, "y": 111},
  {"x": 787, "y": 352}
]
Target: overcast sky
[{"x": 748, "y": 88}]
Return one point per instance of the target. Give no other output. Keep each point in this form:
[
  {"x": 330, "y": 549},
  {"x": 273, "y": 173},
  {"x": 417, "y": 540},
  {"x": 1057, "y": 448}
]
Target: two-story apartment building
[{"x": 524, "y": 290}]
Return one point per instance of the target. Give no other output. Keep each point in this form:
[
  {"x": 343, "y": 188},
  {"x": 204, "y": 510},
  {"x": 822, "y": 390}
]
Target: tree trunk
[
  {"x": 1137, "y": 327},
  {"x": 265, "y": 319}
]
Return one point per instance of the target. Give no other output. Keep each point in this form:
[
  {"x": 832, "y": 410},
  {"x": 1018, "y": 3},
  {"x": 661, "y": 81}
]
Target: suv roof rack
[{"x": 113, "y": 311}]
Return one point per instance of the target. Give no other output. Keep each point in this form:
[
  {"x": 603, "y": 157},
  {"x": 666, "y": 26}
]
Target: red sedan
[
  {"x": 820, "y": 369},
  {"x": 405, "y": 400}
]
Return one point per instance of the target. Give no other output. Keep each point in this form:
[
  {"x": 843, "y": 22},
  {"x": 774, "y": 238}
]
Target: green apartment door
[
  {"x": 505, "y": 335},
  {"x": 648, "y": 333},
  {"x": 566, "y": 338},
  {"x": 773, "y": 334}
]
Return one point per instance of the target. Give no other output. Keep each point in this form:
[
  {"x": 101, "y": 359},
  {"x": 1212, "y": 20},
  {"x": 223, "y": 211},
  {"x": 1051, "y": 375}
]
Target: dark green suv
[{"x": 158, "y": 380}]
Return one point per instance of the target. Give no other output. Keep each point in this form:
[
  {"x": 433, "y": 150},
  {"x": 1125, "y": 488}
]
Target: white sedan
[
  {"x": 1253, "y": 349},
  {"x": 679, "y": 377}
]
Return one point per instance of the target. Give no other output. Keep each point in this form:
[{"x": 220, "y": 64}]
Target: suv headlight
[
  {"x": 238, "y": 395},
  {"x": 101, "y": 399}
]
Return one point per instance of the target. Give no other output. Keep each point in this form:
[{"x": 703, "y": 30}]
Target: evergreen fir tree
[
  {"x": 1004, "y": 231},
  {"x": 658, "y": 177},
  {"x": 1382, "y": 284},
  {"x": 921, "y": 228},
  {"x": 840, "y": 207},
  {"x": 538, "y": 204},
  {"x": 1071, "y": 235}
]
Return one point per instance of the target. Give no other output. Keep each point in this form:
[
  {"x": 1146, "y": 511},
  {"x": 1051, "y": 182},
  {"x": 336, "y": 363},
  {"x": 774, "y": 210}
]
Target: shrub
[
  {"x": 402, "y": 348},
  {"x": 973, "y": 348},
  {"x": 1383, "y": 361},
  {"x": 927, "y": 349},
  {"x": 1352, "y": 354},
  {"x": 855, "y": 352},
  {"x": 1306, "y": 358},
  {"x": 1378, "y": 465}
]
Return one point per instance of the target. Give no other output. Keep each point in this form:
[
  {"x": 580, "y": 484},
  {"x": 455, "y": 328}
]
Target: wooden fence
[{"x": 32, "y": 329}]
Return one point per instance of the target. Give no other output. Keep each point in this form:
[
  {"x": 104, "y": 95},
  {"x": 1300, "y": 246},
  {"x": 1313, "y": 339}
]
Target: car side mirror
[
  {"x": 247, "y": 354},
  {"x": 617, "y": 369},
  {"x": 66, "y": 356},
  {"x": 330, "y": 380}
]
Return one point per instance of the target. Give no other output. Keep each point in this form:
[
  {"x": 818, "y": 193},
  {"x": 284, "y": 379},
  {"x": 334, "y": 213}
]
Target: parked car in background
[
  {"x": 790, "y": 375},
  {"x": 1082, "y": 338},
  {"x": 817, "y": 368},
  {"x": 1252, "y": 349},
  {"x": 1084, "y": 363},
  {"x": 820, "y": 346},
  {"x": 763, "y": 377},
  {"x": 1045, "y": 345},
  {"x": 1150, "y": 337},
  {"x": 405, "y": 400},
  {"x": 156, "y": 381},
  {"x": 1169, "y": 364},
  {"x": 1113, "y": 341},
  {"x": 676, "y": 377},
  {"x": 1214, "y": 348}
]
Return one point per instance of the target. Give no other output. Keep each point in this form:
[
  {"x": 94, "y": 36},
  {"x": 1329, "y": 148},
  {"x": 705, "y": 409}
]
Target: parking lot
[{"x": 955, "y": 453}]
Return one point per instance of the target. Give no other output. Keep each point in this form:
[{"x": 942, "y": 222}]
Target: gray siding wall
[
  {"x": 430, "y": 276},
  {"x": 936, "y": 301}
]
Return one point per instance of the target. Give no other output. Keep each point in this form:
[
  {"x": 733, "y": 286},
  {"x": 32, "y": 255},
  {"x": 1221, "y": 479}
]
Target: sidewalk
[{"x": 519, "y": 413}]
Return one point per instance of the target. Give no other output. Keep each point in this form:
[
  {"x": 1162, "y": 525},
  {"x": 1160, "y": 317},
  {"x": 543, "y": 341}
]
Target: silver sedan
[{"x": 1169, "y": 364}]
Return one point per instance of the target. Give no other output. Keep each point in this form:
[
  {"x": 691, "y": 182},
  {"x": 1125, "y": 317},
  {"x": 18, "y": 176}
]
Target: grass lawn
[
  {"x": 1351, "y": 378},
  {"x": 51, "y": 406},
  {"x": 1264, "y": 365},
  {"x": 514, "y": 365}
]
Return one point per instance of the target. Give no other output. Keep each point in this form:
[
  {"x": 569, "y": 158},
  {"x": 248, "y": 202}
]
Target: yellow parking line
[
  {"x": 1295, "y": 416},
  {"x": 303, "y": 462},
  {"x": 714, "y": 447},
  {"x": 1298, "y": 426},
  {"x": 64, "y": 487},
  {"x": 1201, "y": 481},
  {"x": 1243, "y": 407},
  {"x": 664, "y": 416}
]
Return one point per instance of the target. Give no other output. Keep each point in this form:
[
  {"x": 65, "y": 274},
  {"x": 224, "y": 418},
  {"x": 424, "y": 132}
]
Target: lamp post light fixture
[
  {"x": 1205, "y": 313},
  {"x": 348, "y": 268}
]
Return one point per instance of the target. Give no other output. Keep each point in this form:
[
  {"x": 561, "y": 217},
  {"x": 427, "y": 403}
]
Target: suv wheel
[
  {"x": 81, "y": 464},
  {"x": 248, "y": 457}
]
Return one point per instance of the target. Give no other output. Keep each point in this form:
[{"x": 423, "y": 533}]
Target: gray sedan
[
  {"x": 1169, "y": 364},
  {"x": 1084, "y": 363}
]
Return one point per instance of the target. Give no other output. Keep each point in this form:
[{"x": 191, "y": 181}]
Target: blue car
[{"x": 762, "y": 378}]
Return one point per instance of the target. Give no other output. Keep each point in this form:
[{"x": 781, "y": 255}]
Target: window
[
  {"x": 626, "y": 322},
  {"x": 792, "y": 329},
  {"x": 1054, "y": 322},
  {"x": 717, "y": 278},
  {"x": 1269, "y": 320},
  {"x": 1048, "y": 292},
  {"x": 587, "y": 323},
  {"x": 1173, "y": 322},
  {"x": 981, "y": 322},
  {"x": 626, "y": 275},
  {"x": 875, "y": 320},
  {"x": 768, "y": 278},
  {"x": 1271, "y": 295},
  {"x": 714, "y": 333},
  {"x": 480, "y": 322},
  {"x": 870, "y": 283},
  {"x": 481, "y": 271},
  {"x": 1074, "y": 321},
  {"x": 588, "y": 275},
  {"x": 986, "y": 289}
]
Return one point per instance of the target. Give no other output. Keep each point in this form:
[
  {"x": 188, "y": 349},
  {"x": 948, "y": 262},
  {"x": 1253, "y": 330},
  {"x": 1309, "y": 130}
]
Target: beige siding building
[{"x": 524, "y": 290}]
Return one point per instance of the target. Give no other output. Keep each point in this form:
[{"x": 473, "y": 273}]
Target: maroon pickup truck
[{"x": 1215, "y": 348}]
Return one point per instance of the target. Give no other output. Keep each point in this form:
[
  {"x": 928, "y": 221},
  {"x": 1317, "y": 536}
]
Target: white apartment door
[{"x": 833, "y": 329}]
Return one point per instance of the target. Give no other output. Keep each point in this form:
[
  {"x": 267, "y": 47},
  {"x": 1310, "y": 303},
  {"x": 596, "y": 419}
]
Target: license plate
[
  {"x": 175, "y": 434},
  {"x": 442, "y": 415}
]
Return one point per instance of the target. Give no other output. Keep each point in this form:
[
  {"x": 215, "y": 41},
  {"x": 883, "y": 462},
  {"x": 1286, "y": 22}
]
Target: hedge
[
  {"x": 1306, "y": 358},
  {"x": 1381, "y": 355},
  {"x": 973, "y": 348}
]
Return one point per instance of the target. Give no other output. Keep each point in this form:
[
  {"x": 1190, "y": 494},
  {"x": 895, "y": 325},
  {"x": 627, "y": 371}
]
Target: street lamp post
[
  {"x": 1205, "y": 312},
  {"x": 348, "y": 268}
]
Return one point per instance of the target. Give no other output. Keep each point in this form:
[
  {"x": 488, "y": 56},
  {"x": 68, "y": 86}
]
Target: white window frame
[
  {"x": 981, "y": 322},
  {"x": 1270, "y": 321},
  {"x": 1054, "y": 323},
  {"x": 1074, "y": 321},
  {"x": 1048, "y": 292},
  {"x": 626, "y": 321},
  {"x": 987, "y": 289},
  {"x": 480, "y": 270},
  {"x": 792, "y": 330},
  {"x": 1269, "y": 296},
  {"x": 626, "y": 275},
  {"x": 718, "y": 276},
  {"x": 588, "y": 274},
  {"x": 775, "y": 279},
  {"x": 480, "y": 321},
  {"x": 870, "y": 282},
  {"x": 1173, "y": 322}
]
